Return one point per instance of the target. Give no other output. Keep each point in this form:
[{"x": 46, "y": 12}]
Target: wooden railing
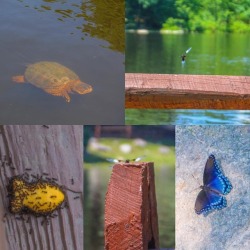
[{"x": 159, "y": 91}]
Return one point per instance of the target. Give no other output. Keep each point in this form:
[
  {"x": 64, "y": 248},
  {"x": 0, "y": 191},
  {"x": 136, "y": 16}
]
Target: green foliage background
[{"x": 189, "y": 15}]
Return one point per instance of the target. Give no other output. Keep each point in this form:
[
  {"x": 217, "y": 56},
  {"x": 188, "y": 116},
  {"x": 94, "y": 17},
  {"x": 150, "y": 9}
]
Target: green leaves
[
  {"x": 147, "y": 3},
  {"x": 191, "y": 15}
]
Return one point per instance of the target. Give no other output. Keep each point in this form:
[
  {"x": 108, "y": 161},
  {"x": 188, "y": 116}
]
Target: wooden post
[
  {"x": 131, "y": 220},
  {"x": 160, "y": 91},
  {"x": 58, "y": 151}
]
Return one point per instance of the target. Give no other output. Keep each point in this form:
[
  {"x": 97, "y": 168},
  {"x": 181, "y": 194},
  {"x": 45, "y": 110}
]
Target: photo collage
[{"x": 147, "y": 138}]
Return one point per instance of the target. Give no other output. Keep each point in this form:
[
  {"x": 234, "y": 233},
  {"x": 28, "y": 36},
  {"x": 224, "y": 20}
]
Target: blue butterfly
[{"x": 215, "y": 185}]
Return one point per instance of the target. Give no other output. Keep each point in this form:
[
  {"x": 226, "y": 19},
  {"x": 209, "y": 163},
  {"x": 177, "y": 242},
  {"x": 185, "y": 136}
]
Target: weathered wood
[
  {"x": 58, "y": 151},
  {"x": 131, "y": 220},
  {"x": 187, "y": 91}
]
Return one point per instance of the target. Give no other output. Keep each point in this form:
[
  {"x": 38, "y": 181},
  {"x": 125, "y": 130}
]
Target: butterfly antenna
[
  {"x": 195, "y": 189},
  {"x": 196, "y": 181}
]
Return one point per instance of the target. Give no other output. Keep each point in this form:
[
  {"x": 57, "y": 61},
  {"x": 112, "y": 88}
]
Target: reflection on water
[
  {"x": 46, "y": 30},
  {"x": 106, "y": 21},
  {"x": 95, "y": 18},
  {"x": 184, "y": 117}
]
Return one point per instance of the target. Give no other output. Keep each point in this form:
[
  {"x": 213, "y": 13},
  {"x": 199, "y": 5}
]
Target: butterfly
[{"x": 215, "y": 185}]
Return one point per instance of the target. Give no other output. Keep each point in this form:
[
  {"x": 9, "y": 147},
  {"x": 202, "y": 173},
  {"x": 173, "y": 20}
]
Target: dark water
[
  {"x": 216, "y": 54},
  {"x": 185, "y": 117},
  {"x": 95, "y": 187},
  {"x": 72, "y": 33}
]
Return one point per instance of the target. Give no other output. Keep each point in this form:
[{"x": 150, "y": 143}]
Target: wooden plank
[
  {"x": 187, "y": 91},
  {"x": 131, "y": 220},
  {"x": 58, "y": 151}
]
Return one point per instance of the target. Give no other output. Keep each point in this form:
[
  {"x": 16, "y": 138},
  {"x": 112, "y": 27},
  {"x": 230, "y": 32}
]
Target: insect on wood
[
  {"x": 38, "y": 197},
  {"x": 30, "y": 194}
]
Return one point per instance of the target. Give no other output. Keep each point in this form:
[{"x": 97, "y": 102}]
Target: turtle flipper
[
  {"x": 18, "y": 79},
  {"x": 66, "y": 96},
  {"x": 57, "y": 92}
]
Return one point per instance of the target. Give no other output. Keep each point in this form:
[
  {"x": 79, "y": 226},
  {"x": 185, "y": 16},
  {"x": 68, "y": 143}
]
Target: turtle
[{"x": 54, "y": 79}]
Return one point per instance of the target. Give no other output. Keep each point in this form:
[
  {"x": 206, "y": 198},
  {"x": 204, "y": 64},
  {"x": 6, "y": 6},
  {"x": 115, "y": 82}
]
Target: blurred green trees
[{"x": 189, "y": 15}]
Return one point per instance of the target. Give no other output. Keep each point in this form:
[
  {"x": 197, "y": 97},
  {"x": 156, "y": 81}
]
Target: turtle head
[{"x": 81, "y": 87}]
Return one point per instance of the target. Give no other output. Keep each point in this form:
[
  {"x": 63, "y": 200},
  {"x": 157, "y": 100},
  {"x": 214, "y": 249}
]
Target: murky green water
[
  {"x": 211, "y": 54},
  {"x": 85, "y": 36},
  {"x": 216, "y": 54}
]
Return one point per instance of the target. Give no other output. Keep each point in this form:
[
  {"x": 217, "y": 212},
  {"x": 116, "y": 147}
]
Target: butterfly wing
[
  {"x": 208, "y": 201},
  {"x": 214, "y": 177},
  {"x": 138, "y": 158},
  {"x": 202, "y": 203},
  {"x": 112, "y": 160}
]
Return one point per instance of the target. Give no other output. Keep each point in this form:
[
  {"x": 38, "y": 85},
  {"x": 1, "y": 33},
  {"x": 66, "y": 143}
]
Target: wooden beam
[
  {"x": 58, "y": 151},
  {"x": 159, "y": 91},
  {"x": 131, "y": 220}
]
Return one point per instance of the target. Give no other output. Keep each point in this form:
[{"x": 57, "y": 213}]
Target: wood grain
[
  {"x": 58, "y": 151},
  {"x": 131, "y": 220},
  {"x": 160, "y": 91}
]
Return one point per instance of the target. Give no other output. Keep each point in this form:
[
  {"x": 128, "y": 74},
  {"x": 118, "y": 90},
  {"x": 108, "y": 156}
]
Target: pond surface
[
  {"x": 186, "y": 117},
  {"x": 211, "y": 54},
  {"x": 216, "y": 54},
  {"x": 75, "y": 34},
  {"x": 95, "y": 187}
]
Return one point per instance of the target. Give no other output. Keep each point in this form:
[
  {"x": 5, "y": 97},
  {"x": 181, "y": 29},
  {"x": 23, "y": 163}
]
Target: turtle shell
[{"x": 55, "y": 79}]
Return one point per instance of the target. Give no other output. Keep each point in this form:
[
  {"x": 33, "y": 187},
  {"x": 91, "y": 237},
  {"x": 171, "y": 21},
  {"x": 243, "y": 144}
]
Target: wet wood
[
  {"x": 160, "y": 91},
  {"x": 131, "y": 220},
  {"x": 56, "y": 151}
]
